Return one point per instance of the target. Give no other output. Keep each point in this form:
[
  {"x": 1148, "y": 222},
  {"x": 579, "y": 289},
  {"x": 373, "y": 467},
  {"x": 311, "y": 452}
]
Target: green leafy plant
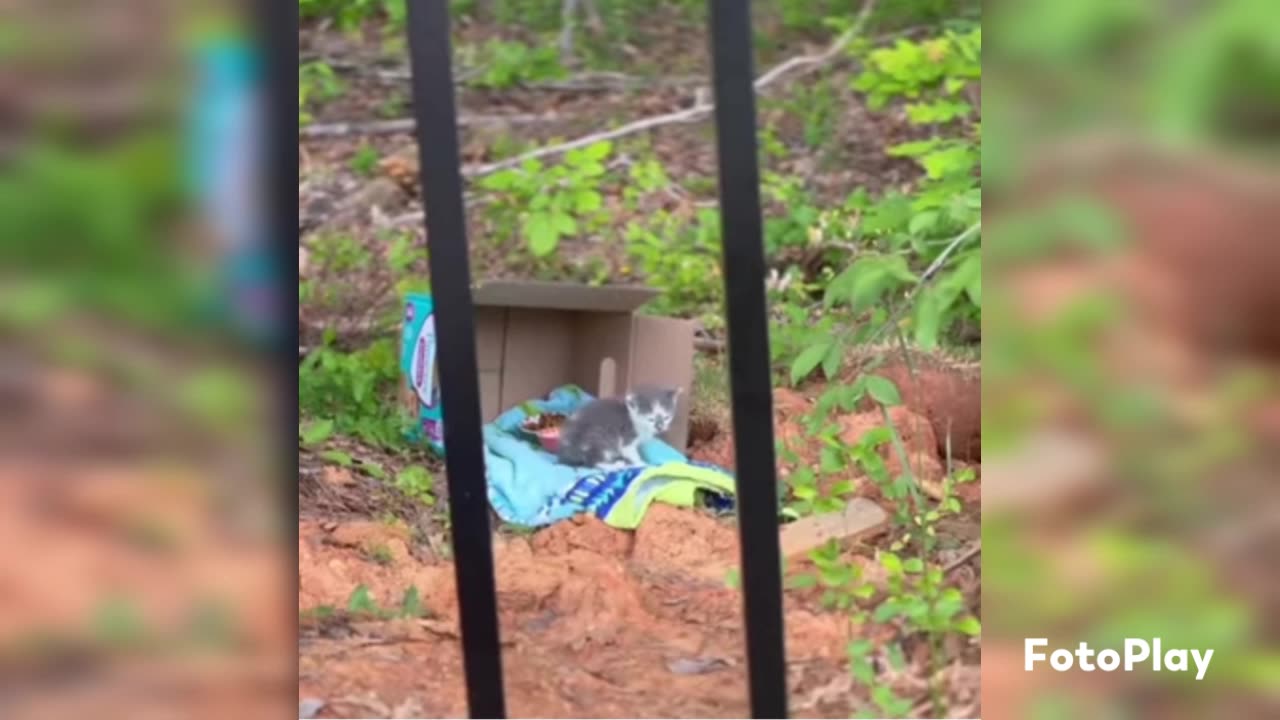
[
  {"x": 942, "y": 65},
  {"x": 352, "y": 392},
  {"x": 365, "y": 160},
  {"x": 544, "y": 203},
  {"x": 350, "y": 15},
  {"x": 680, "y": 258},
  {"x": 315, "y": 432},
  {"x": 912, "y": 594},
  {"x": 317, "y": 84},
  {"x": 417, "y": 482},
  {"x": 362, "y": 602},
  {"x": 507, "y": 64}
]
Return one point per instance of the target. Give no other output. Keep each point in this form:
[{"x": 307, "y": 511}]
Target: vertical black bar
[
  {"x": 749, "y": 371},
  {"x": 437, "y": 136},
  {"x": 274, "y": 31}
]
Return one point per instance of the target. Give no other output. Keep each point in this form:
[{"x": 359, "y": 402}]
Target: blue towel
[{"x": 528, "y": 487}]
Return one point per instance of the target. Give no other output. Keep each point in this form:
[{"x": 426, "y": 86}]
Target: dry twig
[{"x": 406, "y": 125}]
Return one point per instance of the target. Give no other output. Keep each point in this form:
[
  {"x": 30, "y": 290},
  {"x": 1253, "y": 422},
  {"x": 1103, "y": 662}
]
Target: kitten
[{"x": 608, "y": 432}]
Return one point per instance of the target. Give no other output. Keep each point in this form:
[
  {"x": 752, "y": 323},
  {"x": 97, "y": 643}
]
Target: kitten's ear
[{"x": 675, "y": 394}]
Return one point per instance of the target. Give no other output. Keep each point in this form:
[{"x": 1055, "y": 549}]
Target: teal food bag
[{"x": 421, "y": 378}]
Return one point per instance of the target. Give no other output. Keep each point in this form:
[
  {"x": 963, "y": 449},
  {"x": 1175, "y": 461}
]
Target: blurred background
[
  {"x": 1131, "y": 404},
  {"x": 142, "y": 569}
]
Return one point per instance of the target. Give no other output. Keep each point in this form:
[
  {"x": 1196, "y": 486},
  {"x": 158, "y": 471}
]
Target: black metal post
[
  {"x": 748, "y": 349},
  {"x": 437, "y": 136}
]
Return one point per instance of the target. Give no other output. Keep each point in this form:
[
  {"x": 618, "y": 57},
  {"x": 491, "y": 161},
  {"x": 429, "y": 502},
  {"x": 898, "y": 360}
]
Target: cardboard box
[{"x": 532, "y": 337}]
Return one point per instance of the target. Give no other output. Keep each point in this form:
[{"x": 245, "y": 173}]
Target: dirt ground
[{"x": 595, "y": 621}]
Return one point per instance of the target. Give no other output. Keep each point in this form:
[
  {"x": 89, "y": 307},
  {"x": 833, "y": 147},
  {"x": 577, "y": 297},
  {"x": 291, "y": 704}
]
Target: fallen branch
[
  {"x": 700, "y": 109},
  {"x": 612, "y": 81},
  {"x": 693, "y": 114},
  {"x": 406, "y": 125},
  {"x": 965, "y": 557}
]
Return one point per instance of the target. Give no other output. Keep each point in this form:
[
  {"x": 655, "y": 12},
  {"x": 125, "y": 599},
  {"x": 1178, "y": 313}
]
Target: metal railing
[{"x": 748, "y": 353}]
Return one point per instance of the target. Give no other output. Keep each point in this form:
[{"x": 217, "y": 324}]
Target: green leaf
[
  {"x": 588, "y": 201},
  {"x": 338, "y": 457},
  {"x": 954, "y": 160},
  {"x": 923, "y": 222},
  {"x": 831, "y": 363},
  {"x": 733, "y": 579},
  {"x": 598, "y": 151},
  {"x": 565, "y": 224},
  {"x": 808, "y": 360},
  {"x": 890, "y": 214},
  {"x": 913, "y": 149},
  {"x": 361, "y": 601},
  {"x": 844, "y": 487},
  {"x": 883, "y": 391},
  {"x": 897, "y": 660},
  {"x": 411, "y": 605},
  {"x": 891, "y": 562},
  {"x": 888, "y": 610},
  {"x": 316, "y": 432},
  {"x": 969, "y": 626},
  {"x": 416, "y": 481},
  {"x": 803, "y": 476},
  {"x": 862, "y": 670},
  {"x": 804, "y": 492},
  {"x": 831, "y": 461},
  {"x": 940, "y": 111},
  {"x": 870, "y": 277},
  {"x": 913, "y": 565},
  {"x": 928, "y": 319},
  {"x": 876, "y": 437},
  {"x": 890, "y": 704},
  {"x": 543, "y": 234}
]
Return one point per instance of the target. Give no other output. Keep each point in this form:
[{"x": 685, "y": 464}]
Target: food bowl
[{"x": 546, "y": 428}]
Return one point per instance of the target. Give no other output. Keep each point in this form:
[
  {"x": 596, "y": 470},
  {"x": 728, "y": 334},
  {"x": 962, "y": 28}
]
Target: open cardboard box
[{"x": 532, "y": 337}]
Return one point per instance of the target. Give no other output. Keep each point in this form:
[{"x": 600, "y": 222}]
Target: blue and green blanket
[{"x": 528, "y": 487}]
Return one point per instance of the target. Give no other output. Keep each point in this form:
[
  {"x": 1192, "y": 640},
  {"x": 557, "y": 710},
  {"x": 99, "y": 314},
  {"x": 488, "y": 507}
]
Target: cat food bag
[{"x": 421, "y": 384}]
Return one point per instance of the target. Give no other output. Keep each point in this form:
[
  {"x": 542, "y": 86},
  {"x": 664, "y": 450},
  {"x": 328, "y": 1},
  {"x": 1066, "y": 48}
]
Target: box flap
[
  {"x": 561, "y": 296},
  {"x": 662, "y": 355}
]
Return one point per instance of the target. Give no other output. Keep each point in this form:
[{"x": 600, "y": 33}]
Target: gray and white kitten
[{"x": 607, "y": 432}]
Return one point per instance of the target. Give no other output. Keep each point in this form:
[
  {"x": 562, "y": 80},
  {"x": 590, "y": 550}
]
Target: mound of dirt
[
  {"x": 595, "y": 621},
  {"x": 950, "y": 397}
]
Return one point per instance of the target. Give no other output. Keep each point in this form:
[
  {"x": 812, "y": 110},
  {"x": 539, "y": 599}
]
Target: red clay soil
[
  {"x": 596, "y": 622},
  {"x": 950, "y": 397}
]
